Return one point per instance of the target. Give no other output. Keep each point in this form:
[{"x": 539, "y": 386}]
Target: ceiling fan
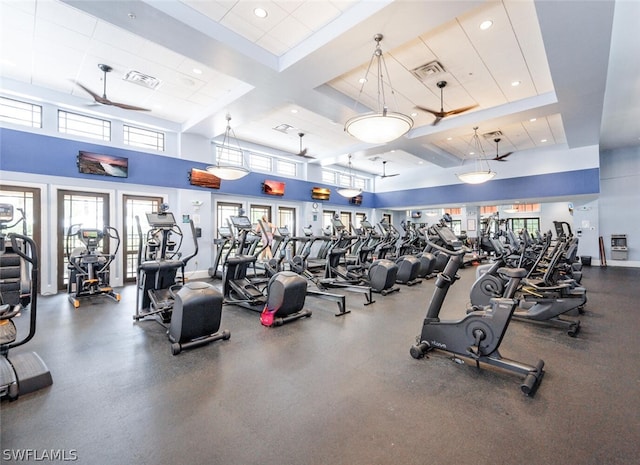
[
  {"x": 500, "y": 157},
  {"x": 384, "y": 171},
  {"x": 303, "y": 151},
  {"x": 103, "y": 99},
  {"x": 443, "y": 114}
]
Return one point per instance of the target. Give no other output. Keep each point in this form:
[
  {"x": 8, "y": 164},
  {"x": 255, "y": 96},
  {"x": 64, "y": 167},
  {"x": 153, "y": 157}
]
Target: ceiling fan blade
[
  {"x": 428, "y": 110},
  {"x": 502, "y": 157},
  {"x": 437, "y": 120},
  {"x": 95, "y": 96},
  {"x": 390, "y": 175},
  {"x": 127, "y": 107},
  {"x": 459, "y": 110}
]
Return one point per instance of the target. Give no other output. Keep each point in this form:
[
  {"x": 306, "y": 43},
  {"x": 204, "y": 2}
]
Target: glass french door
[
  {"x": 287, "y": 217},
  {"x": 26, "y": 213},
  {"x": 88, "y": 209},
  {"x": 135, "y": 206},
  {"x": 345, "y": 217}
]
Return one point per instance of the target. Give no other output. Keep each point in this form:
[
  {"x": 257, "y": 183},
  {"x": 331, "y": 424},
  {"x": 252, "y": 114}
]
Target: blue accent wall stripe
[
  {"x": 561, "y": 184},
  {"x": 40, "y": 154}
]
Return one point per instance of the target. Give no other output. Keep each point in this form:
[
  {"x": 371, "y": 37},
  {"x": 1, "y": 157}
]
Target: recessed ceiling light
[
  {"x": 543, "y": 140},
  {"x": 294, "y": 110},
  {"x": 197, "y": 71},
  {"x": 420, "y": 162},
  {"x": 484, "y": 25},
  {"x": 362, "y": 80},
  {"x": 449, "y": 138},
  {"x": 260, "y": 12},
  {"x": 532, "y": 120},
  {"x": 515, "y": 83},
  {"x": 472, "y": 153},
  {"x": 414, "y": 114},
  {"x": 131, "y": 15}
]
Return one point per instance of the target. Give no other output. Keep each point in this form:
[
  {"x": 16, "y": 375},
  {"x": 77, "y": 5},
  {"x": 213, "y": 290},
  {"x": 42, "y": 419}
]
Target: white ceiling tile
[
  {"x": 212, "y": 9},
  {"x": 243, "y": 10},
  {"x": 238, "y": 24},
  {"x": 66, "y": 16},
  {"x": 290, "y": 31},
  {"x": 315, "y": 15},
  {"x": 275, "y": 46}
]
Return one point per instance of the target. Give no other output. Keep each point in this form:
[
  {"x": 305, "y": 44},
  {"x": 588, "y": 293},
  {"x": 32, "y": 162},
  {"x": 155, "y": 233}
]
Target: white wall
[
  {"x": 525, "y": 163},
  {"x": 619, "y": 201}
]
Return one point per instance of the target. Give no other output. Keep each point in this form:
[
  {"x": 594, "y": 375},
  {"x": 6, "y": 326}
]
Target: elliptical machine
[
  {"x": 191, "y": 311},
  {"x": 25, "y": 372},
  {"x": 88, "y": 266},
  {"x": 283, "y": 298},
  {"x": 479, "y": 334}
]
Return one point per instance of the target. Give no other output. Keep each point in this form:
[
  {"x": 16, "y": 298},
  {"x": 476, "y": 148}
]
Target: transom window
[
  {"x": 229, "y": 156},
  {"x": 286, "y": 168},
  {"x": 82, "y": 125},
  {"x": 260, "y": 162},
  {"x": 145, "y": 138},
  {"x": 22, "y": 113}
]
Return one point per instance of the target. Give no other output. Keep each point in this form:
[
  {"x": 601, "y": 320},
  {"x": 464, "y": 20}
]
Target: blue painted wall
[
  {"x": 40, "y": 154},
  {"x": 562, "y": 184}
]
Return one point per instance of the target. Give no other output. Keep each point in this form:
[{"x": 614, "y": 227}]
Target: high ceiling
[{"x": 575, "y": 64}]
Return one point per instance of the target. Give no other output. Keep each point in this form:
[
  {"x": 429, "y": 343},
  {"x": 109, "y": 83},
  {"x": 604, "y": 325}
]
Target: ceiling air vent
[
  {"x": 141, "y": 79},
  {"x": 492, "y": 135},
  {"x": 284, "y": 128},
  {"x": 428, "y": 71}
]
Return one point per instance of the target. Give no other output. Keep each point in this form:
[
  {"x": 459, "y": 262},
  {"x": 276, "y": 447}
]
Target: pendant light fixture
[
  {"x": 351, "y": 191},
  {"x": 379, "y": 126},
  {"x": 228, "y": 172},
  {"x": 482, "y": 172}
]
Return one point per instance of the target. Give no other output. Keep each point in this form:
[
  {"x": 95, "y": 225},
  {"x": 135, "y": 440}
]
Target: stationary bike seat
[{"x": 513, "y": 272}]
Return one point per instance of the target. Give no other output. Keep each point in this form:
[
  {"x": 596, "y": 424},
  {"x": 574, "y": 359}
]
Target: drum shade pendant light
[
  {"x": 351, "y": 191},
  {"x": 227, "y": 152},
  {"x": 381, "y": 125},
  {"x": 482, "y": 172}
]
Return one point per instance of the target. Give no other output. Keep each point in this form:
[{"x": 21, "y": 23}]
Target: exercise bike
[
  {"x": 88, "y": 266},
  {"x": 479, "y": 334},
  {"x": 536, "y": 303},
  {"x": 24, "y": 372}
]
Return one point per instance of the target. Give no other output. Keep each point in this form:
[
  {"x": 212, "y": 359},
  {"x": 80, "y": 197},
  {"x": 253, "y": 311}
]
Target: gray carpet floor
[{"x": 332, "y": 390}]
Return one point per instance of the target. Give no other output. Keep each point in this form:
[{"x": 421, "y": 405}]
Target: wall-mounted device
[
  {"x": 203, "y": 178},
  {"x": 270, "y": 187},
  {"x": 320, "y": 193},
  {"x": 104, "y": 165}
]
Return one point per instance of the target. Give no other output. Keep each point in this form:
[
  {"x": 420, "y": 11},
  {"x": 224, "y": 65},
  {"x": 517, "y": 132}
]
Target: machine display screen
[
  {"x": 241, "y": 222},
  {"x": 159, "y": 220},
  {"x": 6, "y": 212}
]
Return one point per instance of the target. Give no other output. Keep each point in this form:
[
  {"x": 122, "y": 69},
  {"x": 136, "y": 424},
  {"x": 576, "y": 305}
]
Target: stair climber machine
[
  {"x": 408, "y": 265},
  {"x": 280, "y": 301},
  {"x": 536, "y": 303},
  {"x": 427, "y": 259},
  {"x": 379, "y": 276},
  {"x": 222, "y": 244},
  {"x": 191, "y": 311},
  {"x": 296, "y": 263},
  {"x": 479, "y": 334},
  {"x": 88, "y": 265},
  {"x": 24, "y": 372}
]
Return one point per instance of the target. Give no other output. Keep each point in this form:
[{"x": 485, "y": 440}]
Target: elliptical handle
[
  {"x": 31, "y": 258},
  {"x": 463, "y": 249}
]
